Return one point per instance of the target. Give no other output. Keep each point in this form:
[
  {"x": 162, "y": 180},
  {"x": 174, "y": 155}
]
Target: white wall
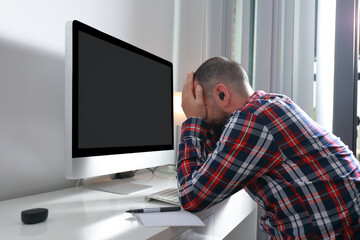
[{"x": 32, "y": 78}]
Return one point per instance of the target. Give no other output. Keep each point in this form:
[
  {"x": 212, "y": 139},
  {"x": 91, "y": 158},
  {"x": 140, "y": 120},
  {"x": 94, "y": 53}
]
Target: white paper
[{"x": 169, "y": 219}]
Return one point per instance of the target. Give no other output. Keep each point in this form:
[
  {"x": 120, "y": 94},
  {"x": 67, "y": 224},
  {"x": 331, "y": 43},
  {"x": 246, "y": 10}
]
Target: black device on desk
[{"x": 35, "y": 215}]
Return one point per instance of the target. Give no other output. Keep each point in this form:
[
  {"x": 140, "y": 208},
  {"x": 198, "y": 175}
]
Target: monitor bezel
[{"x": 88, "y": 152}]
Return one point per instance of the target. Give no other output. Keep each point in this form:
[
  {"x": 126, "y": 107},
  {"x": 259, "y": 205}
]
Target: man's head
[
  {"x": 220, "y": 70},
  {"x": 225, "y": 87}
]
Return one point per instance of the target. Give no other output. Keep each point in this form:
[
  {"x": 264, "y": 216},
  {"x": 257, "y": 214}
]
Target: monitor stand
[{"x": 119, "y": 186}]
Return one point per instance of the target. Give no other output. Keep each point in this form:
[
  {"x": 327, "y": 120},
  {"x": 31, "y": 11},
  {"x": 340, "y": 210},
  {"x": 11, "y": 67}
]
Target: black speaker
[
  {"x": 221, "y": 95},
  {"x": 35, "y": 215}
]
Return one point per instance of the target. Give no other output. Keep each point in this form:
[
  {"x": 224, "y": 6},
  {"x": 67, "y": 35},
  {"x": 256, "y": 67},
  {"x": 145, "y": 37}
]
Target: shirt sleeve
[{"x": 244, "y": 152}]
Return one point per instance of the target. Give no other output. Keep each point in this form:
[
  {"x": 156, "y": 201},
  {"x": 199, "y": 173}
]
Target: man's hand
[{"x": 192, "y": 99}]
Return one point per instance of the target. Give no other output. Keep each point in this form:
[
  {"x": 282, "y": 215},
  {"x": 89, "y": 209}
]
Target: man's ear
[{"x": 221, "y": 95}]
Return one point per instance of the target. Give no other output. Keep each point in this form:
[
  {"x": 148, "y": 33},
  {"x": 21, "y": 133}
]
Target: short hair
[{"x": 221, "y": 70}]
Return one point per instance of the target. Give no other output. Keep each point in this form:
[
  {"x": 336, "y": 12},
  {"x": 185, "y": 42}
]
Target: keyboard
[{"x": 169, "y": 195}]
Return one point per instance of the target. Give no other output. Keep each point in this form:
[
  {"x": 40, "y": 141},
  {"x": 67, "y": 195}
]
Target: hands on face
[{"x": 193, "y": 99}]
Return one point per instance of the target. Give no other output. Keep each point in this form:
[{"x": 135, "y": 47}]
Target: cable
[{"x": 78, "y": 182}]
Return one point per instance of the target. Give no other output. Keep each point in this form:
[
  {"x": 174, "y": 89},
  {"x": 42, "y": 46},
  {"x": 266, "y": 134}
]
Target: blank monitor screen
[{"x": 122, "y": 96}]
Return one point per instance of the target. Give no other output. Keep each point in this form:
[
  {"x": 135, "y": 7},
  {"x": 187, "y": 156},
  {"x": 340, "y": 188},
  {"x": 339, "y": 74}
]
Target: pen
[{"x": 152, "y": 210}]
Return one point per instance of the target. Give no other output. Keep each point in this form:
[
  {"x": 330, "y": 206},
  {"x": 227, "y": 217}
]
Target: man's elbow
[{"x": 192, "y": 206}]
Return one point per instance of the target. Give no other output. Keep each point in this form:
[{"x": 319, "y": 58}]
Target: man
[{"x": 305, "y": 178}]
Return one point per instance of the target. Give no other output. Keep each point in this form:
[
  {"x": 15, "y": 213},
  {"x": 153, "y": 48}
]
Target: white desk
[{"x": 80, "y": 213}]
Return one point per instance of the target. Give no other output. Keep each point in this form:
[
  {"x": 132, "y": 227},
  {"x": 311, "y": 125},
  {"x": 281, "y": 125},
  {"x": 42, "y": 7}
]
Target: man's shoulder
[
  {"x": 260, "y": 108},
  {"x": 270, "y": 97},
  {"x": 264, "y": 100}
]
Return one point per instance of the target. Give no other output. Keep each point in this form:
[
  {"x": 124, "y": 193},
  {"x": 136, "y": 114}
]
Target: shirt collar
[{"x": 256, "y": 95}]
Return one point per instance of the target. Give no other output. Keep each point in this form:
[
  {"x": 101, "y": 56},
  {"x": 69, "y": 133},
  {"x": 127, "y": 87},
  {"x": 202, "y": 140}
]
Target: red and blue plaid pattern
[{"x": 305, "y": 178}]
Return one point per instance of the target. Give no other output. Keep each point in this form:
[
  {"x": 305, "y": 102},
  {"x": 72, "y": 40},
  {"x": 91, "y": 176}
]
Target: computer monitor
[{"x": 118, "y": 107}]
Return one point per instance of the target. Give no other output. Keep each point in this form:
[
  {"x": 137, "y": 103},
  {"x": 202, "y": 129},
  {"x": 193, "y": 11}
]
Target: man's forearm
[{"x": 193, "y": 149}]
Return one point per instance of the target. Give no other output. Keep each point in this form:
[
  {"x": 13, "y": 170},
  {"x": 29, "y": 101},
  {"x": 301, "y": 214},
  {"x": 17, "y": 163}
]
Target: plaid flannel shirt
[{"x": 305, "y": 178}]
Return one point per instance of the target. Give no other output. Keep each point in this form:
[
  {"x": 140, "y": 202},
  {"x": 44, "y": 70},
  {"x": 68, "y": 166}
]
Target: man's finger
[
  {"x": 192, "y": 99},
  {"x": 188, "y": 89},
  {"x": 199, "y": 93}
]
